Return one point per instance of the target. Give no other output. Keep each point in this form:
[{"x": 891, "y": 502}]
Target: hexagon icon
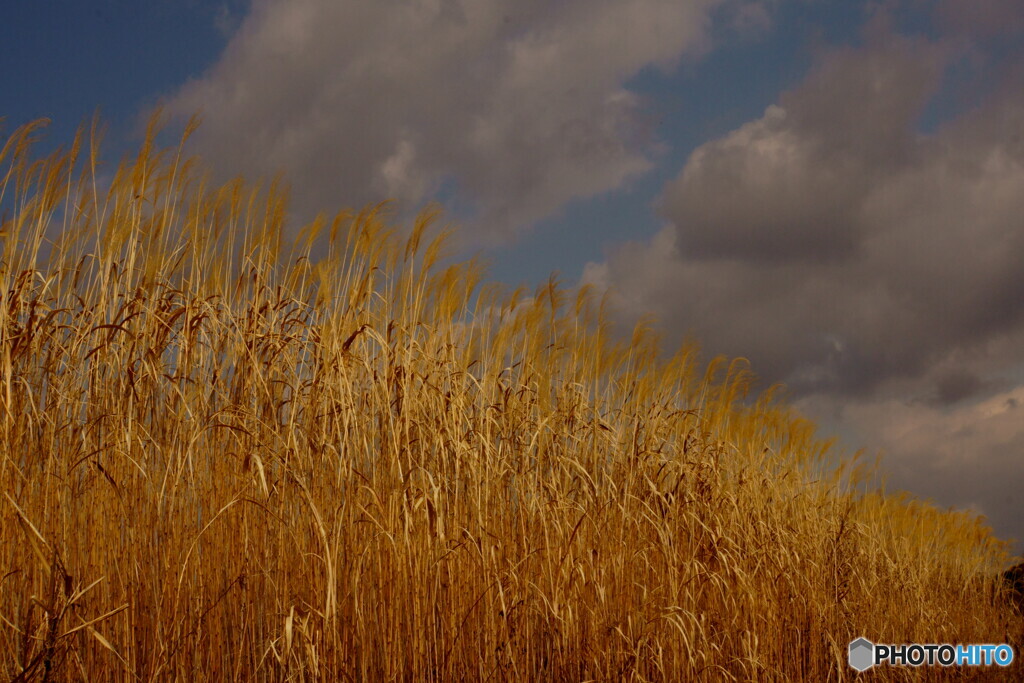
[{"x": 862, "y": 654}]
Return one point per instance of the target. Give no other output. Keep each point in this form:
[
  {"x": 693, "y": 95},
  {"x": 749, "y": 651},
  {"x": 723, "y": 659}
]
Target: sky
[{"x": 831, "y": 189}]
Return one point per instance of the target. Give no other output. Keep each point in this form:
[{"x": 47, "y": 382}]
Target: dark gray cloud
[
  {"x": 873, "y": 268},
  {"x": 836, "y": 246},
  {"x": 521, "y": 105},
  {"x": 980, "y": 18},
  {"x": 789, "y": 186},
  {"x": 956, "y": 386},
  {"x": 965, "y": 456}
]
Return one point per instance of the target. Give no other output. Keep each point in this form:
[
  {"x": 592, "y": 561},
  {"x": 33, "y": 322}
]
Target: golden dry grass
[{"x": 225, "y": 460}]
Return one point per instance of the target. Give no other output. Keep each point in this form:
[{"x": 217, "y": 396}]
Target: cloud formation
[
  {"x": 873, "y": 268},
  {"x": 804, "y": 168},
  {"x": 835, "y": 245},
  {"x": 980, "y": 18},
  {"x": 966, "y": 455},
  {"x": 519, "y": 106}
]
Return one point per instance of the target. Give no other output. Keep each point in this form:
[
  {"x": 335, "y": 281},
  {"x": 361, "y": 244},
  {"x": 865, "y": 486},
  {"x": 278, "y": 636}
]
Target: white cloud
[{"x": 521, "y": 104}]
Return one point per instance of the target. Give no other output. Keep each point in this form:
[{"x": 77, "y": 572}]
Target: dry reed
[{"x": 227, "y": 456}]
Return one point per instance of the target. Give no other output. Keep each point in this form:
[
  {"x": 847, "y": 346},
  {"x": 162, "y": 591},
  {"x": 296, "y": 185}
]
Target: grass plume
[{"x": 225, "y": 455}]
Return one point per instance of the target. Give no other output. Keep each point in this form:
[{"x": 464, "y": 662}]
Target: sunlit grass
[{"x": 227, "y": 455}]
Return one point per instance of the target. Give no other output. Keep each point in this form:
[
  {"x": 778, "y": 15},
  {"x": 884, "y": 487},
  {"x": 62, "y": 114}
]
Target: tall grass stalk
[{"x": 225, "y": 455}]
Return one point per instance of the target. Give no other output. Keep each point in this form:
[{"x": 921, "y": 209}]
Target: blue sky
[
  {"x": 66, "y": 60},
  {"x": 831, "y": 189}
]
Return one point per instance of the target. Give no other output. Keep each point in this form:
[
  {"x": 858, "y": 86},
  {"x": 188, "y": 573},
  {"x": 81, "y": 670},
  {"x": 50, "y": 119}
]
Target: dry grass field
[{"x": 224, "y": 459}]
